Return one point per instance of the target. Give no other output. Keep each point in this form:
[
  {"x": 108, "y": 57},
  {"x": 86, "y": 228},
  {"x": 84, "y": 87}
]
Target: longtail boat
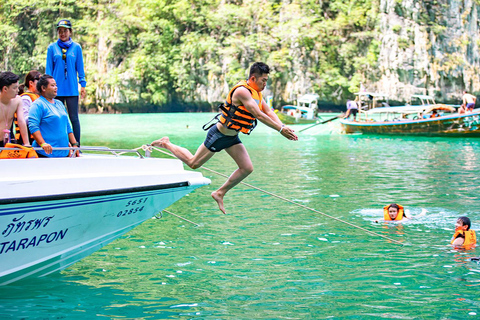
[{"x": 427, "y": 119}]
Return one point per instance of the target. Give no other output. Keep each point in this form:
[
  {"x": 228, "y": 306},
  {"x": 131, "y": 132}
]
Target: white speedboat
[{"x": 54, "y": 212}]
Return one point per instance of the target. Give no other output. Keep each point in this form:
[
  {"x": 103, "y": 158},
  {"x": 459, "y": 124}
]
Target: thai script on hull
[{"x": 18, "y": 226}]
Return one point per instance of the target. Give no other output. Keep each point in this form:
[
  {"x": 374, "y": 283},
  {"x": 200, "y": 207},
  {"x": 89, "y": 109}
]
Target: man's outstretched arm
[{"x": 267, "y": 117}]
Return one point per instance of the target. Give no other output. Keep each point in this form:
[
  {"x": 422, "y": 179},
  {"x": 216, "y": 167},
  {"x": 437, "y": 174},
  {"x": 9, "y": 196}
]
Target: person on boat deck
[
  {"x": 463, "y": 235},
  {"x": 48, "y": 121},
  {"x": 64, "y": 63},
  {"x": 11, "y": 103},
  {"x": 29, "y": 95},
  {"x": 434, "y": 114},
  {"x": 243, "y": 106},
  {"x": 352, "y": 109},
  {"x": 394, "y": 212},
  {"x": 469, "y": 101},
  {"x": 298, "y": 114}
]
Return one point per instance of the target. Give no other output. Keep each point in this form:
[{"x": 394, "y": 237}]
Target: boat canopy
[
  {"x": 373, "y": 94},
  {"x": 443, "y": 107},
  {"x": 412, "y": 109},
  {"x": 310, "y": 98},
  {"x": 402, "y": 109},
  {"x": 425, "y": 99}
]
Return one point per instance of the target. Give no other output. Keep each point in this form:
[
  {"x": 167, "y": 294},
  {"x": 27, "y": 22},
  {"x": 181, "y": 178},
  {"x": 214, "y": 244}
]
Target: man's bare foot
[
  {"x": 161, "y": 142},
  {"x": 219, "y": 198}
]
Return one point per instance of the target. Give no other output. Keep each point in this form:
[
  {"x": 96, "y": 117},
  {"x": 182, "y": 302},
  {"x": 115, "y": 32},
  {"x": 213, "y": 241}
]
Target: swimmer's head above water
[{"x": 393, "y": 212}]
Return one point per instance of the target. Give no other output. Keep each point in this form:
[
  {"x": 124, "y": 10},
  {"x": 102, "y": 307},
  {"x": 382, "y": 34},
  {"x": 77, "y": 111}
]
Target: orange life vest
[
  {"x": 238, "y": 118},
  {"x": 470, "y": 237},
  {"x": 20, "y": 153},
  {"x": 399, "y": 216},
  {"x": 32, "y": 96}
]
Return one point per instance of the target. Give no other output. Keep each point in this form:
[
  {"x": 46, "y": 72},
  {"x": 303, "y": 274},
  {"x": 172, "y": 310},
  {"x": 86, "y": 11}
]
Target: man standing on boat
[
  {"x": 469, "y": 101},
  {"x": 352, "y": 109},
  {"x": 11, "y": 103},
  {"x": 242, "y": 108}
]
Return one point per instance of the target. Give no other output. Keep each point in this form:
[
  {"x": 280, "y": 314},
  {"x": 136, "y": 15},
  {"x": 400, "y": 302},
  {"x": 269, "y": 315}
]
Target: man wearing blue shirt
[
  {"x": 48, "y": 121},
  {"x": 64, "y": 63}
]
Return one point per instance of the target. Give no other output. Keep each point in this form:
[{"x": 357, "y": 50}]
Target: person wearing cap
[{"x": 65, "y": 64}]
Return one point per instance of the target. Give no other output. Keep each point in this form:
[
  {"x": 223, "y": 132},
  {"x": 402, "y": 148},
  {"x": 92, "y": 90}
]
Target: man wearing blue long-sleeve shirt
[{"x": 65, "y": 64}]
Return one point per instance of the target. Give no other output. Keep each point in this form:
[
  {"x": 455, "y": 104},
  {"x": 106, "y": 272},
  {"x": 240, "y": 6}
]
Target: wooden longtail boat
[{"x": 428, "y": 119}]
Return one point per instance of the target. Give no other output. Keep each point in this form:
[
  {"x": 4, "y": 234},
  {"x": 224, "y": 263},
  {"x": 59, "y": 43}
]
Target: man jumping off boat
[{"x": 243, "y": 106}]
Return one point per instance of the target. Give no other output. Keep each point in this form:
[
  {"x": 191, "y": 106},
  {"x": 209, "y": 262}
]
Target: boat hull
[
  {"x": 464, "y": 125},
  {"x": 48, "y": 232},
  {"x": 286, "y": 119}
]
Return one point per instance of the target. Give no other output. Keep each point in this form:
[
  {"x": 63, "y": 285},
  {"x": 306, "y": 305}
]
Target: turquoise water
[{"x": 267, "y": 259}]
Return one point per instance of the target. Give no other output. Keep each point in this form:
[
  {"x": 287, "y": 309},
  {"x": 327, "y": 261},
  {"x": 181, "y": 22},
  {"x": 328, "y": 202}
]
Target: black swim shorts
[{"x": 217, "y": 141}]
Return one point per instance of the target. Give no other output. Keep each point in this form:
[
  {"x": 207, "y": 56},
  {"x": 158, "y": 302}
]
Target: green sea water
[{"x": 269, "y": 259}]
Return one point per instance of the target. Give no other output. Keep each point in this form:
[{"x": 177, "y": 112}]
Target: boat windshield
[
  {"x": 422, "y": 100},
  {"x": 370, "y": 100}
]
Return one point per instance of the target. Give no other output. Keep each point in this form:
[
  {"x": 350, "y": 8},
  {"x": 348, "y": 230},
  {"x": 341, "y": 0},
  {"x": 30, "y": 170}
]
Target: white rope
[
  {"x": 176, "y": 215},
  {"x": 287, "y": 200}
]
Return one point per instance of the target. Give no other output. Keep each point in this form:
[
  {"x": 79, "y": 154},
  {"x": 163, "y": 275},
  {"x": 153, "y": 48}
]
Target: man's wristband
[
  {"x": 283, "y": 126},
  {"x": 75, "y": 144},
  {"x": 43, "y": 144}
]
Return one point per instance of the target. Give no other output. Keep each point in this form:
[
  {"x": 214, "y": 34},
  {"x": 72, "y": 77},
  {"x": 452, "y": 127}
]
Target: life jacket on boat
[
  {"x": 400, "y": 214},
  {"x": 469, "y": 235},
  {"x": 20, "y": 153},
  {"x": 238, "y": 118},
  {"x": 33, "y": 97}
]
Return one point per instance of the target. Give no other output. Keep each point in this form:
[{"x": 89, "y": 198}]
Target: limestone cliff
[{"x": 428, "y": 47}]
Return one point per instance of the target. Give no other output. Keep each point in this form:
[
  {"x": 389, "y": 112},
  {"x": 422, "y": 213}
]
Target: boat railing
[{"x": 115, "y": 152}]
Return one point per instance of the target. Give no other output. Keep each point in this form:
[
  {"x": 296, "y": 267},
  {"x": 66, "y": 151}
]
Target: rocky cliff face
[{"x": 428, "y": 47}]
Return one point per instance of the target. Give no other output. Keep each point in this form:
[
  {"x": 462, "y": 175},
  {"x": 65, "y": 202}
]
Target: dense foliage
[{"x": 159, "y": 53}]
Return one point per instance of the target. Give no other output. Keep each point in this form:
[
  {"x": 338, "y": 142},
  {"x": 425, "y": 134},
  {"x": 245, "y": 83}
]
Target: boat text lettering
[
  {"x": 130, "y": 211},
  {"x": 25, "y": 243},
  {"x": 133, "y": 206},
  {"x": 19, "y": 225},
  {"x": 136, "y": 202}
]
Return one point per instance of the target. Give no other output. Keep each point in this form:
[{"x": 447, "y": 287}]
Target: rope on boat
[
  {"x": 284, "y": 199},
  {"x": 176, "y": 215},
  {"x": 160, "y": 216}
]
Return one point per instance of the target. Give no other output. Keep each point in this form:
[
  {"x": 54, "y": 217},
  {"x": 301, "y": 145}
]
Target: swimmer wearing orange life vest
[
  {"x": 394, "y": 212},
  {"x": 463, "y": 235}
]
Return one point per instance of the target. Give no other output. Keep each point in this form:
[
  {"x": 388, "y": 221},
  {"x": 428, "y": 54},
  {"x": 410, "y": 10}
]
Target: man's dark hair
[
  {"x": 7, "y": 78},
  {"x": 465, "y": 222},
  {"x": 43, "y": 82},
  {"x": 259, "y": 68}
]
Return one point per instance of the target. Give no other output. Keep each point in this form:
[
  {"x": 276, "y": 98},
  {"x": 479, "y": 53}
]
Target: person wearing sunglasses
[{"x": 65, "y": 64}]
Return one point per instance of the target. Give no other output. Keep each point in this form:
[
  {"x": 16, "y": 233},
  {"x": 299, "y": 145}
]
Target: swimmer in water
[
  {"x": 396, "y": 212},
  {"x": 463, "y": 237}
]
